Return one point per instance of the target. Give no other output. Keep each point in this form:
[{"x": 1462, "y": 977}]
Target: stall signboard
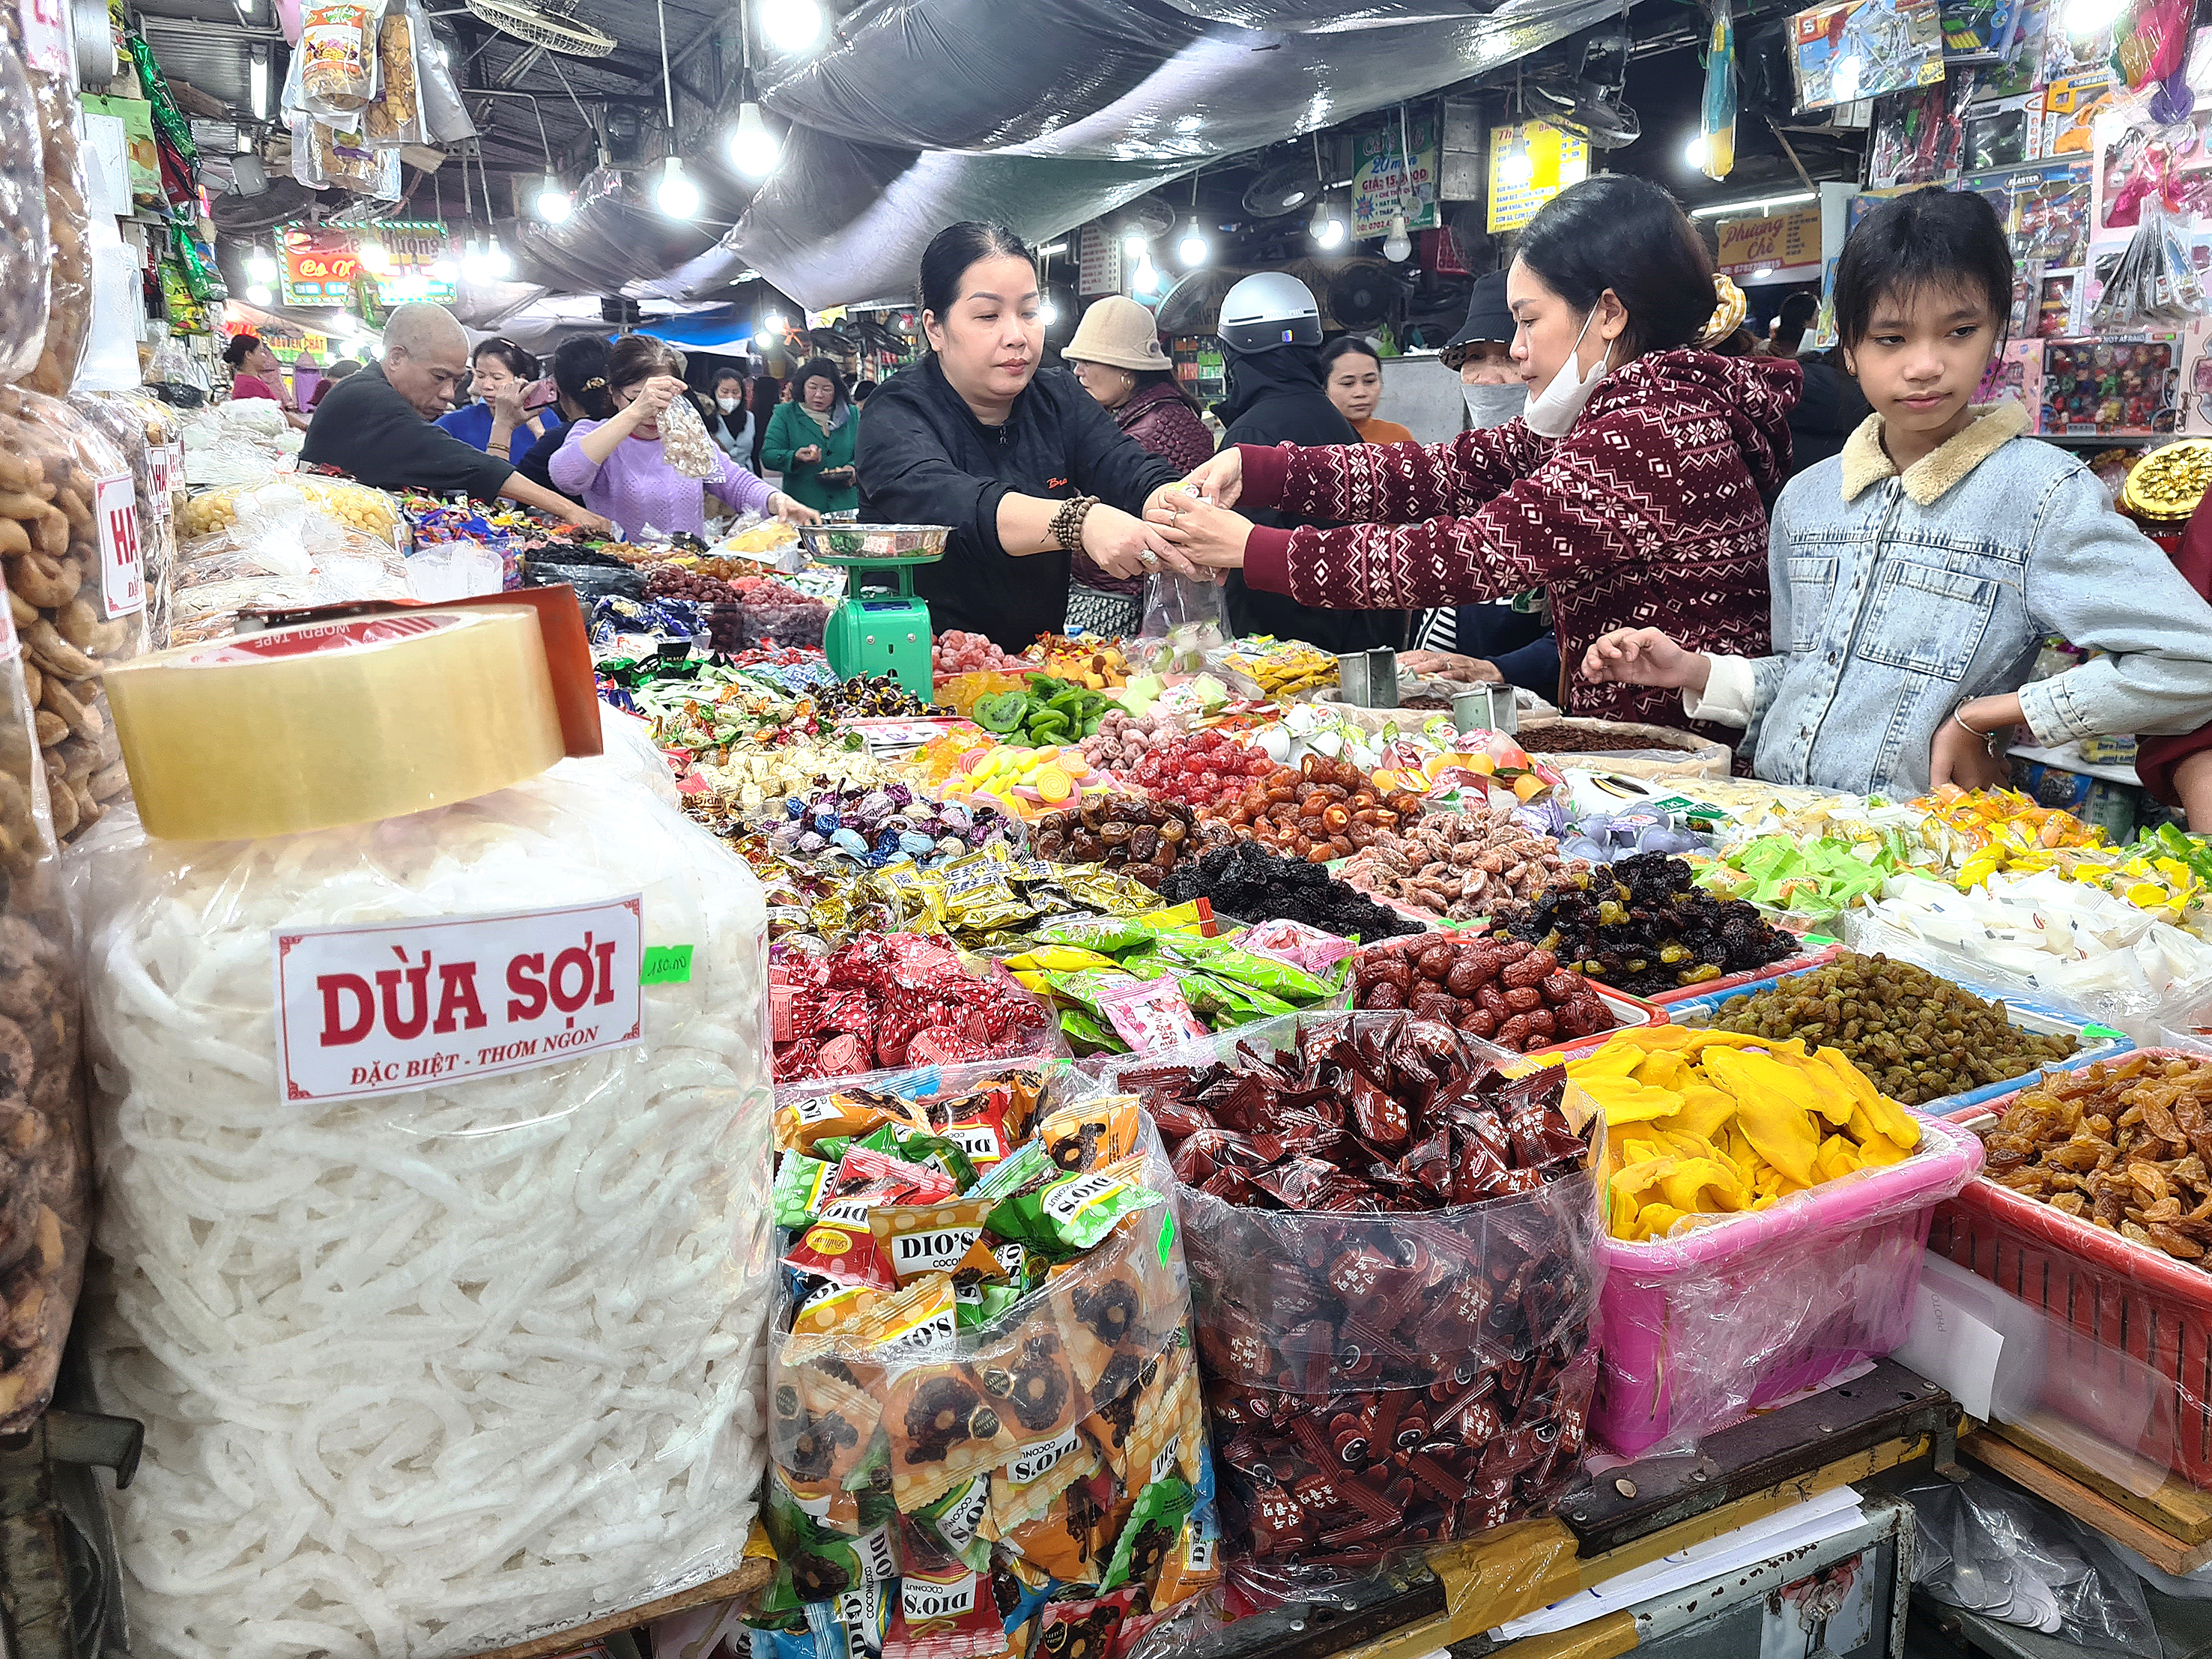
[
  {"x": 1383, "y": 185},
  {"x": 321, "y": 262},
  {"x": 1098, "y": 262},
  {"x": 1854, "y": 49},
  {"x": 1555, "y": 159},
  {"x": 286, "y": 341},
  {"x": 1784, "y": 246}
]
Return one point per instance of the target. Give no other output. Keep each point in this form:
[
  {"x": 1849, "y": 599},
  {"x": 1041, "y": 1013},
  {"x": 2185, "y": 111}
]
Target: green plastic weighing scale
[{"x": 883, "y": 625}]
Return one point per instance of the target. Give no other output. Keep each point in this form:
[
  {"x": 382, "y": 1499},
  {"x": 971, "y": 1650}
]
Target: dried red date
[{"x": 1524, "y": 998}]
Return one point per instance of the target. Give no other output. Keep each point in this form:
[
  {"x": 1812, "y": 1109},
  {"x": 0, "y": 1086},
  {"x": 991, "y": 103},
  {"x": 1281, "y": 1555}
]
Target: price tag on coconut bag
[{"x": 388, "y": 1007}]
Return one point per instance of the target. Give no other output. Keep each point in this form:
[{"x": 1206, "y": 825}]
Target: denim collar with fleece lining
[{"x": 1866, "y": 462}]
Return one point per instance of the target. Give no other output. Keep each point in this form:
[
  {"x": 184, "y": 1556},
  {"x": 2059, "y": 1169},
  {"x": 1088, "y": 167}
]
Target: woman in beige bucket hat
[{"x": 1116, "y": 355}]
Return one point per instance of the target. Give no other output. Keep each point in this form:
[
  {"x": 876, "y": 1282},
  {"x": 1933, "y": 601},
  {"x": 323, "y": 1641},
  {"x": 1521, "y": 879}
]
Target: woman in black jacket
[{"x": 1024, "y": 466}]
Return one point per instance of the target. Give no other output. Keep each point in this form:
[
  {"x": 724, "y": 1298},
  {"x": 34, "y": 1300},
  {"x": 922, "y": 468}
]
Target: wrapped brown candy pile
[{"x": 1391, "y": 1249}]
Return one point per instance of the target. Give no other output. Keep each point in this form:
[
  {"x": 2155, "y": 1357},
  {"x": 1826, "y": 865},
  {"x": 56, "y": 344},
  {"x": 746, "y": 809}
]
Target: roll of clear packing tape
[{"x": 330, "y": 723}]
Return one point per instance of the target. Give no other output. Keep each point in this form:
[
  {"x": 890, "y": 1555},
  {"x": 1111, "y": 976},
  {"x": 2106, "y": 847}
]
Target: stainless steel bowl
[{"x": 883, "y": 543}]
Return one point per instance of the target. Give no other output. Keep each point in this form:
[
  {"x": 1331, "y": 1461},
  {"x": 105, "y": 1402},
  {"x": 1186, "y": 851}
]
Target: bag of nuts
[
  {"x": 395, "y": 117},
  {"x": 140, "y": 433},
  {"x": 25, "y": 258},
  {"x": 45, "y": 1169},
  {"x": 46, "y": 58},
  {"x": 337, "y": 52},
  {"x": 70, "y": 553}
]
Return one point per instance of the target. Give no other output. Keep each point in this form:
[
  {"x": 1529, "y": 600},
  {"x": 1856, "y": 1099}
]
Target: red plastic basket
[{"x": 2123, "y": 1297}]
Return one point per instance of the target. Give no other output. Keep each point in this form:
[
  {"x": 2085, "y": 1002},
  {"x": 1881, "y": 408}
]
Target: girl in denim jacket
[{"x": 1915, "y": 574}]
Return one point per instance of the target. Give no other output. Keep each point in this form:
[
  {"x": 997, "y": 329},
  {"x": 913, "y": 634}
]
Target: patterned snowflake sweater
[{"x": 1647, "y": 514}]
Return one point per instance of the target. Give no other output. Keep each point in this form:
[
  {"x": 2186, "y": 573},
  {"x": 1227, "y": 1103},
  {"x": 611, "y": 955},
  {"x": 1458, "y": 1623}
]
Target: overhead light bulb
[
  {"x": 375, "y": 258},
  {"x": 754, "y": 150},
  {"x": 1318, "y": 225},
  {"x": 1762, "y": 273},
  {"x": 1398, "y": 245},
  {"x": 473, "y": 268},
  {"x": 790, "y": 24},
  {"x": 1147, "y": 276},
  {"x": 1048, "y": 313},
  {"x": 554, "y": 204},
  {"x": 1518, "y": 167},
  {"x": 774, "y": 324},
  {"x": 1135, "y": 244},
  {"x": 443, "y": 268},
  {"x": 256, "y": 81},
  {"x": 676, "y": 196},
  {"x": 1327, "y": 227},
  {"x": 261, "y": 265},
  {"x": 498, "y": 262},
  {"x": 257, "y": 294},
  {"x": 1693, "y": 153},
  {"x": 1194, "y": 247}
]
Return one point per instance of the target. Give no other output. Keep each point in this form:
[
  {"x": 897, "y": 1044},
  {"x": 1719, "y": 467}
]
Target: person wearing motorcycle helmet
[{"x": 1271, "y": 342}]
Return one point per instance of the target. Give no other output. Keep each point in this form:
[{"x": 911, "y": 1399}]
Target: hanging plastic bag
[
  {"x": 26, "y": 257},
  {"x": 1186, "y": 618},
  {"x": 443, "y": 112},
  {"x": 337, "y": 39},
  {"x": 395, "y": 117},
  {"x": 48, "y": 56},
  {"x": 1716, "y": 114}
]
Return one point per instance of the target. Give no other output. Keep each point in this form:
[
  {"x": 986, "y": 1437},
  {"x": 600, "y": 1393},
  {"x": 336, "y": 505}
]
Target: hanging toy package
[
  {"x": 2155, "y": 281},
  {"x": 434, "y": 1121}
]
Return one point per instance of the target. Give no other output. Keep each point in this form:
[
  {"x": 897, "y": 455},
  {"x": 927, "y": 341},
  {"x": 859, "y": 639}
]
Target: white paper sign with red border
[
  {"x": 122, "y": 559},
  {"x": 387, "y": 1008}
]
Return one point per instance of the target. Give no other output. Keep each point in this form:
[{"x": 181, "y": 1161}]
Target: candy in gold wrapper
[
  {"x": 1110, "y": 892},
  {"x": 2166, "y": 485},
  {"x": 914, "y": 898},
  {"x": 981, "y": 911}
]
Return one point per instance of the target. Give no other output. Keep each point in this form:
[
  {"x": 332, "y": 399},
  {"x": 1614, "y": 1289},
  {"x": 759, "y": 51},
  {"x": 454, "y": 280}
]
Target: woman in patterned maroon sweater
[{"x": 1643, "y": 501}]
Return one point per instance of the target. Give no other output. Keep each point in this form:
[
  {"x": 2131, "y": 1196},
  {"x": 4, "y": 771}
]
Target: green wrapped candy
[
  {"x": 802, "y": 1186},
  {"x": 1226, "y": 960}
]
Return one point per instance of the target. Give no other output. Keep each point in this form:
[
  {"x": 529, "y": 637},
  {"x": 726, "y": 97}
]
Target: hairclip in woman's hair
[
  {"x": 1728, "y": 314},
  {"x": 595, "y": 382}
]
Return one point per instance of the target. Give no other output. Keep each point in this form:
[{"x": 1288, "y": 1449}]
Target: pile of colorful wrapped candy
[
  {"x": 1391, "y": 1250},
  {"x": 872, "y": 827},
  {"x": 987, "y": 1425},
  {"x": 894, "y": 999}
]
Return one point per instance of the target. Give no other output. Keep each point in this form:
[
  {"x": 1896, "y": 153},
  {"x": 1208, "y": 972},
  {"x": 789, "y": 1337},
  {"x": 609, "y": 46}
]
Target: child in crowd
[{"x": 1915, "y": 574}]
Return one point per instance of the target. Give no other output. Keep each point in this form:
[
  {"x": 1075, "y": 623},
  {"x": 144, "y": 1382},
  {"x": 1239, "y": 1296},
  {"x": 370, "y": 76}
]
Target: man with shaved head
[{"x": 377, "y": 426}]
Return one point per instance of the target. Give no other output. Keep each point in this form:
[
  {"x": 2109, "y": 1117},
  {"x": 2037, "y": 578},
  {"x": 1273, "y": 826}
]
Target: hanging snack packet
[
  {"x": 337, "y": 74},
  {"x": 394, "y": 117},
  {"x": 684, "y": 442}
]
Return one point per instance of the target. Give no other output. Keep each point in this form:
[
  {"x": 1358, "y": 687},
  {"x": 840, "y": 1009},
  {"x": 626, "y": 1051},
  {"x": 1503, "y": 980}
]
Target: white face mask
[
  {"x": 726, "y": 405},
  {"x": 1553, "y": 411},
  {"x": 1494, "y": 405}
]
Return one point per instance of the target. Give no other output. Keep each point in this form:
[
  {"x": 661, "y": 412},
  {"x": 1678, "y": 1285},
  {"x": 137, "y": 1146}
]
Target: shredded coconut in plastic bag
[{"x": 432, "y": 1372}]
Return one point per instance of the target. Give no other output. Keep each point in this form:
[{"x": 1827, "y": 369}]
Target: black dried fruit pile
[
  {"x": 1253, "y": 885},
  {"x": 1644, "y": 926}
]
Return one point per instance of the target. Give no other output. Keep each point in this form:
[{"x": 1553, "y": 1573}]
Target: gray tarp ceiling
[{"x": 924, "y": 112}]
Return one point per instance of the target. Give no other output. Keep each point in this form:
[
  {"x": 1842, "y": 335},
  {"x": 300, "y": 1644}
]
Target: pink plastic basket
[{"x": 1694, "y": 1331}]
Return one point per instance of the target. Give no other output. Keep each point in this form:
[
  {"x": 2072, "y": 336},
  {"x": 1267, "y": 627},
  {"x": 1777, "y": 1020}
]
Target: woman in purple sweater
[{"x": 617, "y": 467}]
